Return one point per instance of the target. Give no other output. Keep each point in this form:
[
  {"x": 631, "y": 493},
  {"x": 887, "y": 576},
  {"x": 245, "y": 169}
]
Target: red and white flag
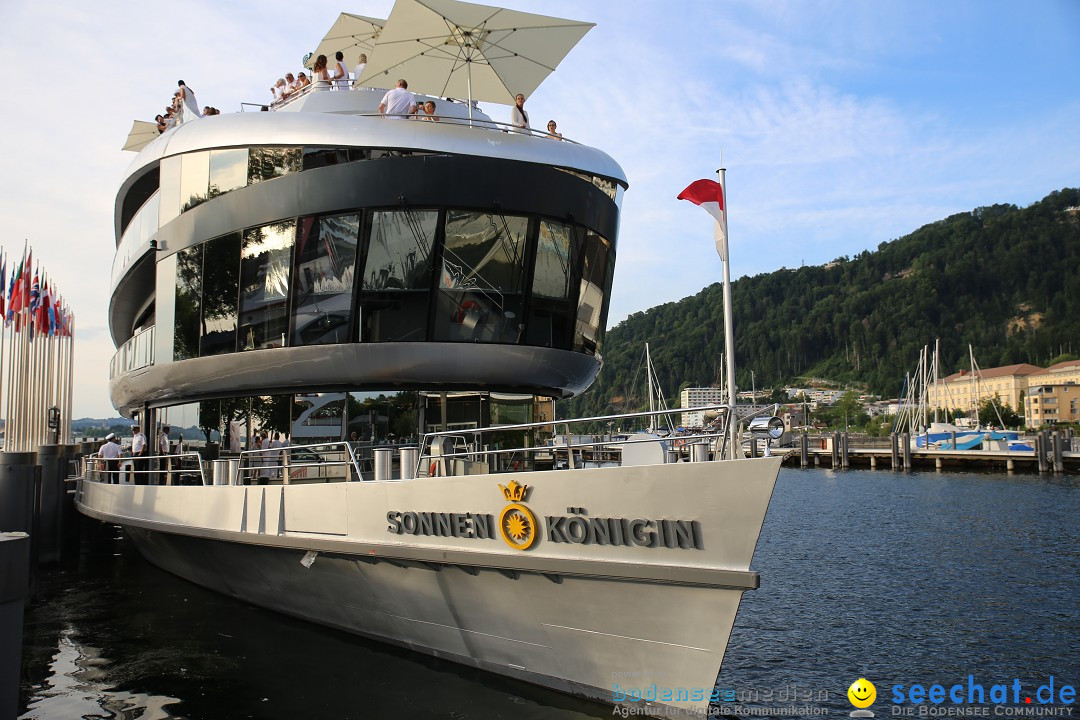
[{"x": 709, "y": 195}]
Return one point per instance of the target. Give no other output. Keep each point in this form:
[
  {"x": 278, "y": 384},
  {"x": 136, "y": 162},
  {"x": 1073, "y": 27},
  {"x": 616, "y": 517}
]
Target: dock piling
[
  {"x": 845, "y": 461},
  {"x": 895, "y": 444},
  {"x": 1059, "y": 458},
  {"x": 835, "y": 450},
  {"x": 905, "y": 440},
  {"x": 14, "y": 570},
  {"x": 804, "y": 449}
]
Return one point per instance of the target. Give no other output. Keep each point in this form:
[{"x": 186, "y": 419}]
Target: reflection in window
[
  {"x": 170, "y": 189},
  {"x": 221, "y": 286},
  {"x": 194, "y": 179},
  {"x": 551, "y": 310},
  {"x": 266, "y": 257},
  {"x": 318, "y": 418},
  {"x": 188, "y": 301},
  {"x": 397, "y": 276},
  {"x": 269, "y": 163},
  {"x": 323, "y": 285},
  {"x": 596, "y": 272},
  {"x": 482, "y": 284},
  {"x": 228, "y": 170}
]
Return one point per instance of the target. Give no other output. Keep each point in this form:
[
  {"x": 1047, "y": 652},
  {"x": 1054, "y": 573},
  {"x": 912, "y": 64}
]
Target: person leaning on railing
[{"x": 140, "y": 464}]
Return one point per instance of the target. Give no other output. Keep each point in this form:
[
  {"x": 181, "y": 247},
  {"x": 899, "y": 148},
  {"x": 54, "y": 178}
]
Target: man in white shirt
[
  {"x": 138, "y": 451},
  {"x": 398, "y": 103},
  {"x": 110, "y": 453}
]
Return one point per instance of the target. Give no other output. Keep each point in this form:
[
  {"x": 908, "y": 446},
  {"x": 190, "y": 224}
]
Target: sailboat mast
[
  {"x": 648, "y": 374},
  {"x": 974, "y": 386},
  {"x": 937, "y": 395}
]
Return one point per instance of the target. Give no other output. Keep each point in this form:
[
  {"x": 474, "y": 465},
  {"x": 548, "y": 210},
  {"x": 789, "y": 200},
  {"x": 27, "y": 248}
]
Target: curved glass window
[
  {"x": 266, "y": 257},
  {"x": 221, "y": 287},
  {"x": 396, "y": 281},
  {"x": 267, "y": 163},
  {"x": 596, "y": 266},
  {"x": 551, "y": 308},
  {"x": 194, "y": 179},
  {"x": 188, "y": 303},
  {"x": 323, "y": 285},
  {"x": 228, "y": 170},
  {"x": 482, "y": 280}
]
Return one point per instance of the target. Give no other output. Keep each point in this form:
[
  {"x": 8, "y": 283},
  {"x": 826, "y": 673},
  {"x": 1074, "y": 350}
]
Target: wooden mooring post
[
  {"x": 1059, "y": 449},
  {"x": 1040, "y": 451},
  {"x": 905, "y": 440},
  {"x": 895, "y": 444},
  {"x": 804, "y": 450},
  {"x": 835, "y": 450}
]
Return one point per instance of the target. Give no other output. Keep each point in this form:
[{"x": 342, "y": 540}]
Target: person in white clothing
[
  {"x": 138, "y": 451},
  {"x": 278, "y": 90},
  {"x": 398, "y": 103},
  {"x": 110, "y": 454},
  {"x": 518, "y": 117},
  {"x": 188, "y": 102},
  {"x": 341, "y": 73},
  {"x": 359, "y": 70}
]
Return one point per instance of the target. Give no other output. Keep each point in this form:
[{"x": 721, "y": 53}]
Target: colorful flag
[
  {"x": 709, "y": 195},
  {"x": 15, "y": 294}
]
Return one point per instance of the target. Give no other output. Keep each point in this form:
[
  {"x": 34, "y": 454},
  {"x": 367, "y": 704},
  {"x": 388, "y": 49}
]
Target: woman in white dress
[
  {"x": 320, "y": 78},
  {"x": 518, "y": 117}
]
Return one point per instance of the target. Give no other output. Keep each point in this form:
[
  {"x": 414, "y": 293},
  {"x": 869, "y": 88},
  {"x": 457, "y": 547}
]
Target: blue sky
[{"x": 842, "y": 125}]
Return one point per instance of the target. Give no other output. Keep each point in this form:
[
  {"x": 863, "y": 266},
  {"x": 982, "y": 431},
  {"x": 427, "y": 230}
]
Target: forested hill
[{"x": 1005, "y": 279}]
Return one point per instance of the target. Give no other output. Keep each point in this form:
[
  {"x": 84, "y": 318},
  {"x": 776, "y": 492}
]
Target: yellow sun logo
[{"x": 517, "y": 524}]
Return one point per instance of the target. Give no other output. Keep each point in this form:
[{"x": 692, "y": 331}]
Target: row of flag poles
[{"x": 36, "y": 356}]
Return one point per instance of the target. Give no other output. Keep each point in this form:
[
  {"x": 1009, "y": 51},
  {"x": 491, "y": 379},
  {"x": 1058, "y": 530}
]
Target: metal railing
[
  {"x": 137, "y": 352},
  {"x": 274, "y": 106},
  {"x": 182, "y": 469},
  {"x": 434, "y": 454},
  {"x": 323, "y": 462}
]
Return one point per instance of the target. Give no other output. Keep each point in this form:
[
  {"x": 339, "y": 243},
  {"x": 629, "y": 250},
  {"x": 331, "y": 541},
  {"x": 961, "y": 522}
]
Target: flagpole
[{"x": 729, "y": 324}]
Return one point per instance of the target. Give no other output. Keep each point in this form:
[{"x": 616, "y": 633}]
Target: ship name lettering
[
  {"x": 642, "y": 532},
  {"x": 463, "y": 525}
]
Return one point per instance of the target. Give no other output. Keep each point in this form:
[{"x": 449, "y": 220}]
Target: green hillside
[{"x": 1005, "y": 279}]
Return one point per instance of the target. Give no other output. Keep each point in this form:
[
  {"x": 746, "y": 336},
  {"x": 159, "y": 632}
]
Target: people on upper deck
[
  {"x": 399, "y": 102},
  {"x": 290, "y": 84},
  {"x": 429, "y": 112},
  {"x": 552, "y": 133},
  {"x": 162, "y": 125},
  {"x": 278, "y": 91},
  {"x": 518, "y": 117},
  {"x": 302, "y": 81},
  {"x": 319, "y": 74},
  {"x": 189, "y": 103},
  {"x": 359, "y": 70},
  {"x": 341, "y": 73}
]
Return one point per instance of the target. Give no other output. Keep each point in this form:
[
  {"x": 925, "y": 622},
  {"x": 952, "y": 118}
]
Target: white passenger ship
[{"x": 326, "y": 273}]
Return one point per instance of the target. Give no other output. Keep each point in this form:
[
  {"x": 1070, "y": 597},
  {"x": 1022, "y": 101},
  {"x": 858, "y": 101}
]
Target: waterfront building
[
  {"x": 963, "y": 391},
  {"x": 1051, "y": 405},
  {"x": 697, "y": 397}
]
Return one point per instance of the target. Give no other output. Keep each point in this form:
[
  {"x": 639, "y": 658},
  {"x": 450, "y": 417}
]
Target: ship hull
[{"x": 614, "y": 622}]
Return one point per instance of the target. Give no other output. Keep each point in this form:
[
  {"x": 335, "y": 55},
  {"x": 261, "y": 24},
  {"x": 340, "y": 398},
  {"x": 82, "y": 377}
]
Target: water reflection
[{"x": 79, "y": 685}]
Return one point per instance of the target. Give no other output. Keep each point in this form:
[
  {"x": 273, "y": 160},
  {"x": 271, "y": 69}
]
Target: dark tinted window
[
  {"x": 396, "y": 282},
  {"x": 188, "y": 303},
  {"x": 269, "y": 163},
  {"x": 221, "y": 287},
  {"x": 552, "y": 308},
  {"x": 266, "y": 257},
  {"x": 323, "y": 284},
  {"x": 482, "y": 283},
  {"x": 592, "y": 297}
]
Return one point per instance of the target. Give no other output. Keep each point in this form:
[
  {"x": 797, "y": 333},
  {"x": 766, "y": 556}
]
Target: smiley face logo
[{"x": 862, "y": 693}]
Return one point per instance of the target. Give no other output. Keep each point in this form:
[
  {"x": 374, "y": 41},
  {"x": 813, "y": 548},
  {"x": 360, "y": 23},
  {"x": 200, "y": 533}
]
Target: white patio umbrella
[
  {"x": 141, "y": 134},
  {"x": 449, "y": 48},
  {"x": 351, "y": 34}
]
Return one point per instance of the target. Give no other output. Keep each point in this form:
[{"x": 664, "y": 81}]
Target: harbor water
[{"x": 919, "y": 578}]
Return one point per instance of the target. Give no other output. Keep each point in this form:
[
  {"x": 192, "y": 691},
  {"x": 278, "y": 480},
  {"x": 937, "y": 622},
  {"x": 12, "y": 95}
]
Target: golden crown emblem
[{"x": 514, "y": 492}]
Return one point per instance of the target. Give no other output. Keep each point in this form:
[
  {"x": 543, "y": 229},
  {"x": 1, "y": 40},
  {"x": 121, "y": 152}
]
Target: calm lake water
[{"x": 900, "y": 578}]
